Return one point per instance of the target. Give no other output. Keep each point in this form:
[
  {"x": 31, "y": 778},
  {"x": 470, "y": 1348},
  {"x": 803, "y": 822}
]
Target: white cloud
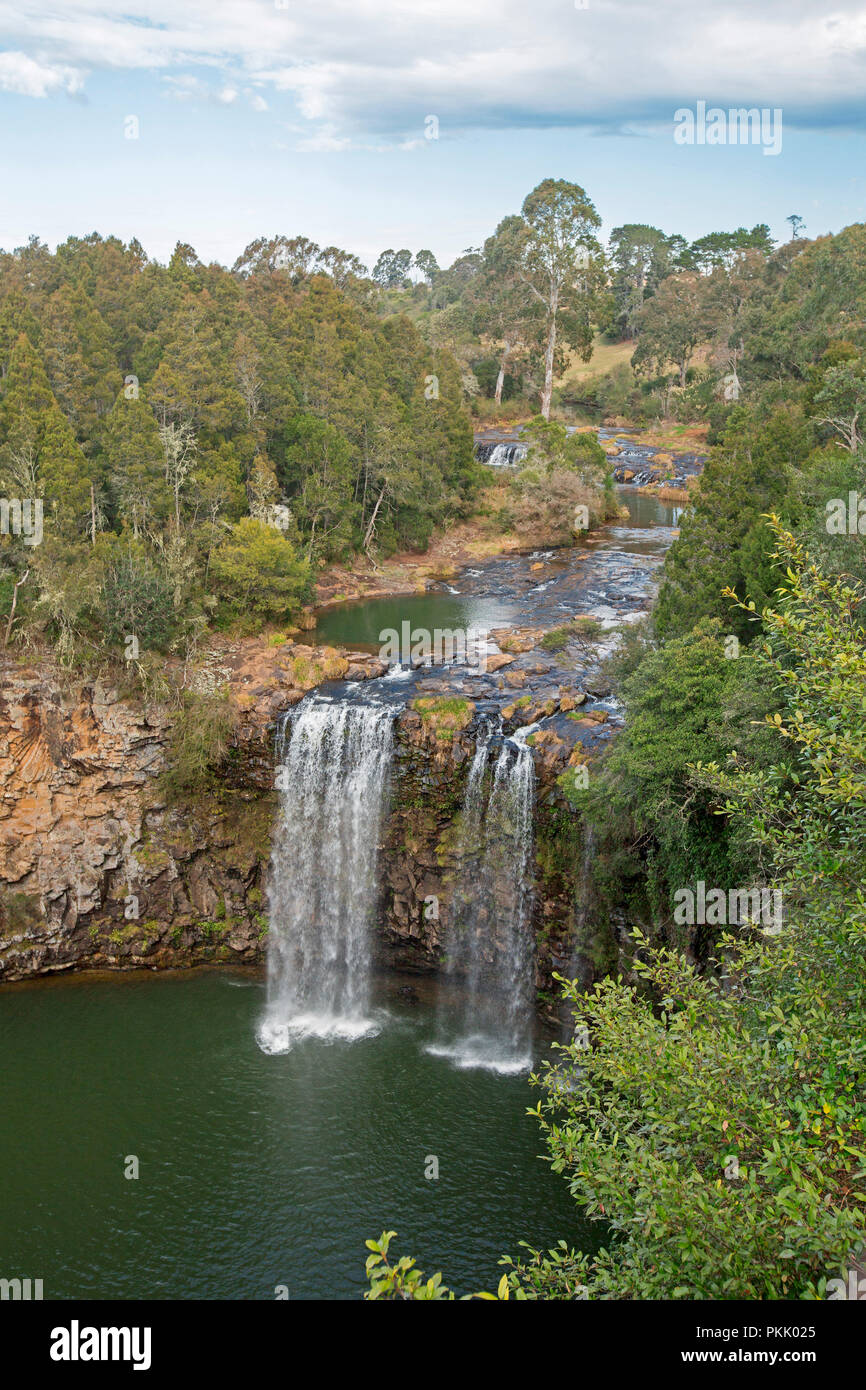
[
  {"x": 27, "y": 78},
  {"x": 370, "y": 70}
]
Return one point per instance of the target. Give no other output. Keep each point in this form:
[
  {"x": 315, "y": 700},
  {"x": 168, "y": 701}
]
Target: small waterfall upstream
[
  {"x": 491, "y": 947},
  {"x": 501, "y": 455},
  {"x": 333, "y": 775}
]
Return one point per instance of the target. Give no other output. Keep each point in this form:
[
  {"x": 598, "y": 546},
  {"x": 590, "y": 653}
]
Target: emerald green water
[
  {"x": 361, "y": 624},
  {"x": 255, "y": 1171}
]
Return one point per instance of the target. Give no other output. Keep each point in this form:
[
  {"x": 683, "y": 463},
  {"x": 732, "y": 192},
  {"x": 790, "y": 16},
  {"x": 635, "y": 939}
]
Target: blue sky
[{"x": 257, "y": 119}]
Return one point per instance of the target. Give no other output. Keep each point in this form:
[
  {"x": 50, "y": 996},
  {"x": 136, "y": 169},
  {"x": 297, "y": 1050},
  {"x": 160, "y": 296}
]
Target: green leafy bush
[{"x": 199, "y": 744}]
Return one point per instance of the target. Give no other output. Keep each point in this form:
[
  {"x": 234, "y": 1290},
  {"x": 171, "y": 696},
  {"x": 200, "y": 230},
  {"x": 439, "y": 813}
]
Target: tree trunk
[
  {"x": 503, "y": 362},
  {"x": 547, "y": 393},
  {"x": 372, "y": 526},
  {"x": 14, "y": 606}
]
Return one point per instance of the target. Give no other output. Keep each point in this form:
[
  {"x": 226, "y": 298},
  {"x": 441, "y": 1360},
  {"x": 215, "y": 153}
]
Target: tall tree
[
  {"x": 391, "y": 270},
  {"x": 640, "y": 257},
  {"x": 135, "y": 466},
  {"x": 342, "y": 266},
  {"x": 39, "y": 457},
  {"x": 673, "y": 323},
  {"x": 425, "y": 263},
  {"x": 506, "y": 311},
  {"x": 561, "y": 258}
]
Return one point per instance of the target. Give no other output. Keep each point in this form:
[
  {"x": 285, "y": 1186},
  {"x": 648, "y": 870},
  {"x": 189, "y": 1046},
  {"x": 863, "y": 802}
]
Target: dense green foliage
[
  {"x": 714, "y": 1122},
  {"x": 201, "y": 735},
  {"x": 563, "y": 487},
  {"x": 790, "y": 449},
  {"x": 722, "y": 1133},
  {"x": 202, "y": 440},
  {"x": 709, "y": 1111},
  {"x": 686, "y": 701}
]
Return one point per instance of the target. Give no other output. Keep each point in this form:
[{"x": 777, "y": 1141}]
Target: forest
[
  {"x": 203, "y": 440},
  {"x": 206, "y": 441}
]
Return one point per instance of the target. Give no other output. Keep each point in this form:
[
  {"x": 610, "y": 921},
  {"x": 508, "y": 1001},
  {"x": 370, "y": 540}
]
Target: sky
[{"x": 388, "y": 123}]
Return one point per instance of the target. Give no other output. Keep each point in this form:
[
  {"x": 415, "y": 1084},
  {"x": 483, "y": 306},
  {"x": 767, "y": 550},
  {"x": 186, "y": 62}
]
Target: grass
[
  {"x": 443, "y": 715},
  {"x": 605, "y": 356}
]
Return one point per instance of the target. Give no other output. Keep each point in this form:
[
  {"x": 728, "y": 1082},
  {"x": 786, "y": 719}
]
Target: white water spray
[
  {"x": 491, "y": 948},
  {"x": 333, "y": 775}
]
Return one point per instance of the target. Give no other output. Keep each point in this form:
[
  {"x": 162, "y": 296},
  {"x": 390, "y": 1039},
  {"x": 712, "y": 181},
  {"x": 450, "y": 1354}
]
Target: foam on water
[
  {"x": 480, "y": 1052},
  {"x": 278, "y": 1035}
]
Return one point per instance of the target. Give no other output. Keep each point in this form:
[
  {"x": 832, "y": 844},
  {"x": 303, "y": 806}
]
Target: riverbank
[
  {"x": 666, "y": 449},
  {"x": 480, "y": 537},
  {"x": 100, "y": 868}
]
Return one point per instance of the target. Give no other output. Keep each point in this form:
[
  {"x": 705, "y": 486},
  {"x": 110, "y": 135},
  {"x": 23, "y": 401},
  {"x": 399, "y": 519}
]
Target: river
[{"x": 264, "y": 1169}]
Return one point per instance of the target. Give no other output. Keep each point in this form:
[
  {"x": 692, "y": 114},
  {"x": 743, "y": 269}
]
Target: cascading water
[
  {"x": 491, "y": 949},
  {"x": 333, "y": 774},
  {"x": 501, "y": 455}
]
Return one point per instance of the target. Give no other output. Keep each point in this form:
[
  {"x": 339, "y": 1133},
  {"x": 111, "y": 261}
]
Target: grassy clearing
[{"x": 605, "y": 356}]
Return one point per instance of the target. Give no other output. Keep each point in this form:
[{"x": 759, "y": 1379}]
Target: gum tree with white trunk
[{"x": 561, "y": 264}]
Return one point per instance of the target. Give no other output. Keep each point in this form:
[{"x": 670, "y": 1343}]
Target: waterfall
[
  {"x": 500, "y": 455},
  {"x": 333, "y": 774},
  {"x": 491, "y": 947}
]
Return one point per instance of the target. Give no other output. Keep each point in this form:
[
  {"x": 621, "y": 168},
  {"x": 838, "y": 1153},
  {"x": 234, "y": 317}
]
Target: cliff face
[
  {"x": 420, "y": 860},
  {"x": 97, "y": 869},
  {"x": 100, "y": 870}
]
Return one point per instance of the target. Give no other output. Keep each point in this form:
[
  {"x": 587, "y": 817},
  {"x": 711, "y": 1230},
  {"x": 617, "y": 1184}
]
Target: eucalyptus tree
[
  {"x": 391, "y": 270},
  {"x": 505, "y": 309},
  {"x": 342, "y": 266},
  {"x": 561, "y": 263},
  {"x": 640, "y": 258},
  {"x": 723, "y": 249},
  {"x": 426, "y": 264},
  {"x": 266, "y": 255},
  {"x": 673, "y": 323}
]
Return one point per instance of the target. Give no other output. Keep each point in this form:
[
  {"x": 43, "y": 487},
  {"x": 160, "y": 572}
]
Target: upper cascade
[{"x": 500, "y": 455}]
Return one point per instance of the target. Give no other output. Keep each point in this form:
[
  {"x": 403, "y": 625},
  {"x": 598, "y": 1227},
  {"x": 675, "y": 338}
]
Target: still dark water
[{"x": 255, "y": 1170}]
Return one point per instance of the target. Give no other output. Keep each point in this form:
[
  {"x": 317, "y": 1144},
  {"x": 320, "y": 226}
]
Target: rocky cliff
[{"x": 100, "y": 868}]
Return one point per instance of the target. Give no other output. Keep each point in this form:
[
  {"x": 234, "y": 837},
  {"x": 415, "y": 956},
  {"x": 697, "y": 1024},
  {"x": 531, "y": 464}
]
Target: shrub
[
  {"x": 199, "y": 744},
  {"x": 258, "y": 573}
]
